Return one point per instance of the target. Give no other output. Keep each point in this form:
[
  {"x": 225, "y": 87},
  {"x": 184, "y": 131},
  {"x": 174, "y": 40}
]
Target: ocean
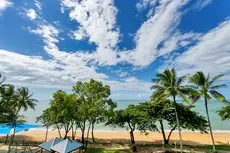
[{"x": 217, "y": 124}]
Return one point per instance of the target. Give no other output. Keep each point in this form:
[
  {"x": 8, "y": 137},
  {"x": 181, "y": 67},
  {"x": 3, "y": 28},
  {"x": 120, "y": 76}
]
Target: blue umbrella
[{"x": 7, "y": 127}]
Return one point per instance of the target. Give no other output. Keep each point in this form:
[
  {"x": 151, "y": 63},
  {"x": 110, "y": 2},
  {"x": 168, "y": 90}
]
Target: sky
[{"x": 49, "y": 45}]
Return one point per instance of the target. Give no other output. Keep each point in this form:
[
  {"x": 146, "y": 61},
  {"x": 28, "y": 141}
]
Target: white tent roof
[
  {"x": 48, "y": 144},
  {"x": 66, "y": 146}
]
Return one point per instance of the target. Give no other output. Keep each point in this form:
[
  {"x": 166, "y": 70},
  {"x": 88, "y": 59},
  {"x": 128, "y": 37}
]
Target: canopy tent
[
  {"x": 66, "y": 146},
  {"x": 60, "y": 145},
  {"x": 7, "y": 127},
  {"x": 48, "y": 144}
]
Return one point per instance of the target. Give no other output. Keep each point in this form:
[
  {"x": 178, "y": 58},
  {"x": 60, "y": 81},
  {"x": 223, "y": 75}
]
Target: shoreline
[{"x": 191, "y": 138}]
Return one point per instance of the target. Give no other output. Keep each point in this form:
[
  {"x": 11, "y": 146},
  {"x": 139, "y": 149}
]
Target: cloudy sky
[{"x": 50, "y": 44}]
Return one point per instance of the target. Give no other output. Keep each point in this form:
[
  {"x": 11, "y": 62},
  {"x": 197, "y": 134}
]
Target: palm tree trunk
[
  {"x": 178, "y": 124},
  {"x": 209, "y": 124},
  {"x": 11, "y": 139},
  {"x": 47, "y": 128},
  {"x": 163, "y": 132}
]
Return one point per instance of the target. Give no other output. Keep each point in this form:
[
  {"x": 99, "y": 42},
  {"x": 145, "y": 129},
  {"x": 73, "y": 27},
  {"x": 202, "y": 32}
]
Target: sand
[{"x": 191, "y": 138}]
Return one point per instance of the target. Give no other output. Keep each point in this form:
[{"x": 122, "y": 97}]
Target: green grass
[
  {"x": 91, "y": 150},
  {"x": 209, "y": 147}
]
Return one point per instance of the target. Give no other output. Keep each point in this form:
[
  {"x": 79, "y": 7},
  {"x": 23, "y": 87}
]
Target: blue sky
[{"x": 49, "y": 45}]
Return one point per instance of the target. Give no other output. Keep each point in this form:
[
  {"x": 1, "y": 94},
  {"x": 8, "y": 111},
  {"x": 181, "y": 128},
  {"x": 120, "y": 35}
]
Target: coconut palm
[
  {"x": 22, "y": 99},
  {"x": 2, "y": 79},
  {"x": 6, "y": 98},
  {"x": 168, "y": 85},
  {"x": 207, "y": 88}
]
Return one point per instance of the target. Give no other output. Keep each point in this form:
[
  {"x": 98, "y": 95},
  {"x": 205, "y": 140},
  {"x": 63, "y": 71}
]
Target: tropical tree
[
  {"x": 224, "y": 113},
  {"x": 132, "y": 119},
  {"x": 61, "y": 112},
  {"x": 93, "y": 102},
  {"x": 44, "y": 119},
  {"x": 7, "y": 96},
  {"x": 207, "y": 87},
  {"x": 163, "y": 112},
  {"x": 16, "y": 101},
  {"x": 168, "y": 85},
  {"x": 2, "y": 79}
]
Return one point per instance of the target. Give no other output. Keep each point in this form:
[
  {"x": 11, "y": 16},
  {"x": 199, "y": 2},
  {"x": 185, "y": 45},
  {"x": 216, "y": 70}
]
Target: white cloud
[
  {"x": 144, "y": 3},
  {"x": 211, "y": 54},
  {"x": 154, "y": 31},
  {"x": 79, "y": 34},
  {"x": 34, "y": 70},
  {"x": 4, "y": 4},
  {"x": 31, "y": 14},
  {"x": 131, "y": 79},
  {"x": 177, "y": 41},
  {"x": 97, "y": 20},
  {"x": 76, "y": 65},
  {"x": 38, "y": 4},
  {"x": 97, "y": 23},
  {"x": 203, "y": 3}
]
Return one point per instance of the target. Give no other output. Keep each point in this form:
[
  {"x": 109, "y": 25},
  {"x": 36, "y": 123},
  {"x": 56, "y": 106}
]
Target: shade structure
[
  {"x": 7, "y": 127},
  {"x": 48, "y": 144},
  {"x": 66, "y": 146}
]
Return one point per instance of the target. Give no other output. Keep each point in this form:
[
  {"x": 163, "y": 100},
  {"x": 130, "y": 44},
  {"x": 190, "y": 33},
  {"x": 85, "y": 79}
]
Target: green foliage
[
  {"x": 190, "y": 120},
  {"x": 224, "y": 113},
  {"x": 207, "y": 87},
  {"x": 167, "y": 84},
  {"x": 94, "y": 98},
  {"x": 94, "y": 106},
  {"x": 164, "y": 111},
  {"x": 86, "y": 106},
  {"x": 132, "y": 118},
  {"x": 12, "y": 101},
  {"x": 61, "y": 112}
]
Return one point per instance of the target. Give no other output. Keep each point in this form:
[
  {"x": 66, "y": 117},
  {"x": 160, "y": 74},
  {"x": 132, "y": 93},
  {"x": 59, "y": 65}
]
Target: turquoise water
[
  {"x": 6, "y": 128},
  {"x": 217, "y": 124}
]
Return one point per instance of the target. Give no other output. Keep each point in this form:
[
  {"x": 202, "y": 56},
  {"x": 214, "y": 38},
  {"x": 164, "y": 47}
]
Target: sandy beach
[{"x": 191, "y": 138}]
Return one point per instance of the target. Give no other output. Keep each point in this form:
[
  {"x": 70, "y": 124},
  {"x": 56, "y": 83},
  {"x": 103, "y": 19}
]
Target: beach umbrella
[
  {"x": 48, "y": 144},
  {"x": 66, "y": 146},
  {"x": 5, "y": 128}
]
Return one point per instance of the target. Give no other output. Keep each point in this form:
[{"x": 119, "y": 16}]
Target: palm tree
[
  {"x": 168, "y": 85},
  {"x": 2, "y": 79},
  {"x": 22, "y": 99},
  {"x": 207, "y": 87}
]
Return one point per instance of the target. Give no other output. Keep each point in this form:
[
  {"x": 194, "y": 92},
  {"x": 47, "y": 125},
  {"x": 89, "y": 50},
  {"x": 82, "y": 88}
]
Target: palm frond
[
  {"x": 198, "y": 79},
  {"x": 215, "y": 87},
  {"x": 181, "y": 80},
  {"x": 182, "y": 95},
  {"x": 216, "y": 78},
  {"x": 218, "y": 96}
]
